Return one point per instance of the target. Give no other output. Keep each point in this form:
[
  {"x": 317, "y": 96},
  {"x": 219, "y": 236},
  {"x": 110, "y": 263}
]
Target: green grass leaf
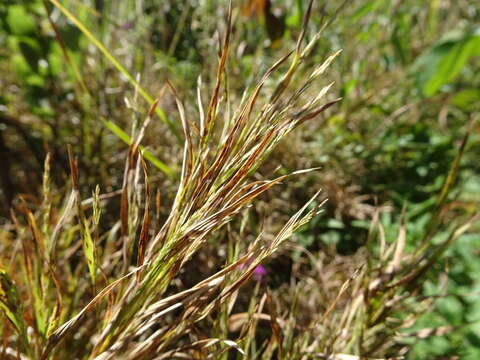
[
  {"x": 122, "y": 135},
  {"x": 116, "y": 64},
  {"x": 11, "y": 305}
]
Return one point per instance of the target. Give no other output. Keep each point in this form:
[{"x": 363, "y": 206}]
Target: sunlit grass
[{"x": 122, "y": 275}]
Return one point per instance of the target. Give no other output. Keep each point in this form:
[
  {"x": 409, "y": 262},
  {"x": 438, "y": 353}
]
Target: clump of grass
[
  {"x": 213, "y": 188},
  {"x": 88, "y": 290}
]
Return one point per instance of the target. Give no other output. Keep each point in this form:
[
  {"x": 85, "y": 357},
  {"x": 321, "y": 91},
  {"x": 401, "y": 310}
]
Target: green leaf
[
  {"x": 147, "y": 154},
  {"x": 31, "y": 51},
  {"x": 10, "y": 300},
  {"x": 19, "y": 21},
  {"x": 11, "y": 305},
  {"x": 467, "y": 98},
  {"x": 442, "y": 63}
]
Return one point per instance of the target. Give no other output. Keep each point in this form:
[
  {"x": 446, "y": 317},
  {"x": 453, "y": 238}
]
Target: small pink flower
[{"x": 259, "y": 273}]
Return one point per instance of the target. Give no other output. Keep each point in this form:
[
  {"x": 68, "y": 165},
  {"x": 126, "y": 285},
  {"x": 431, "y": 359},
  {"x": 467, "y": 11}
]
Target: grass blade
[
  {"x": 116, "y": 64},
  {"x": 11, "y": 305},
  {"x": 122, "y": 135}
]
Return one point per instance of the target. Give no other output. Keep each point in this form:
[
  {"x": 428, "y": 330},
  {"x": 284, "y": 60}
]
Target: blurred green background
[{"x": 409, "y": 75}]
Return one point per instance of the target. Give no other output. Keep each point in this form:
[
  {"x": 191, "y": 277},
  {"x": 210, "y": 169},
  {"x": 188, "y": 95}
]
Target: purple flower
[
  {"x": 259, "y": 273},
  {"x": 128, "y": 25}
]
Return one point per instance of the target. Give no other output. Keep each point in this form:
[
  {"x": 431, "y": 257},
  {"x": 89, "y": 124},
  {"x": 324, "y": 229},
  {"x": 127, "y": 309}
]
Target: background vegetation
[{"x": 399, "y": 231}]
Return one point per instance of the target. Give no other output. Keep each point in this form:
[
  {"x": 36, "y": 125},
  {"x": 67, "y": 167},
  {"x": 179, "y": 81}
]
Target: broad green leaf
[
  {"x": 450, "y": 65},
  {"x": 19, "y": 21},
  {"x": 467, "y": 98},
  {"x": 442, "y": 63}
]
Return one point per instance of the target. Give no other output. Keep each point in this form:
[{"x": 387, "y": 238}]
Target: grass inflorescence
[{"x": 120, "y": 275}]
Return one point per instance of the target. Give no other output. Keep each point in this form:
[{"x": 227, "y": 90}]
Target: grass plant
[{"x": 119, "y": 275}]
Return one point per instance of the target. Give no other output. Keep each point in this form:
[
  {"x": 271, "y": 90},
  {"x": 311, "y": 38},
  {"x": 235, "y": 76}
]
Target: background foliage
[{"x": 409, "y": 78}]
